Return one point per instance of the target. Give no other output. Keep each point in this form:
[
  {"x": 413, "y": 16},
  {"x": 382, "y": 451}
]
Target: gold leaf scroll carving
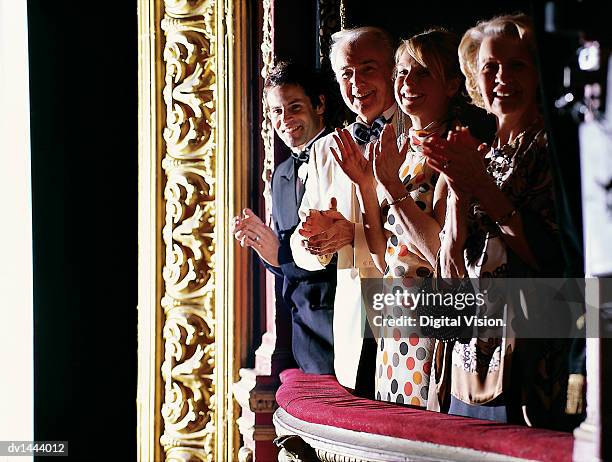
[
  {"x": 190, "y": 8},
  {"x": 267, "y": 132},
  {"x": 188, "y": 372},
  {"x": 189, "y": 92},
  {"x": 189, "y": 329},
  {"x": 189, "y": 231}
]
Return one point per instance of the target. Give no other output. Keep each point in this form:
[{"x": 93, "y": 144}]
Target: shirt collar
[
  {"x": 387, "y": 114},
  {"x": 306, "y": 145}
]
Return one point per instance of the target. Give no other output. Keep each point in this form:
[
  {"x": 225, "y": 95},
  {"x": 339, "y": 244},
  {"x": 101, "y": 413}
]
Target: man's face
[
  {"x": 294, "y": 118},
  {"x": 364, "y": 72}
]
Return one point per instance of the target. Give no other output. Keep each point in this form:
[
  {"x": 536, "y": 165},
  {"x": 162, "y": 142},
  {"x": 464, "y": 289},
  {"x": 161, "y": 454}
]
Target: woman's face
[
  {"x": 507, "y": 77},
  {"x": 418, "y": 93}
]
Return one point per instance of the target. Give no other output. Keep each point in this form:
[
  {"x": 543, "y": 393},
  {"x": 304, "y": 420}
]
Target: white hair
[{"x": 375, "y": 34}]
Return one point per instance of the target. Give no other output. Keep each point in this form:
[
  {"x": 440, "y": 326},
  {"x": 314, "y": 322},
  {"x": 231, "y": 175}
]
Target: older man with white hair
[{"x": 331, "y": 217}]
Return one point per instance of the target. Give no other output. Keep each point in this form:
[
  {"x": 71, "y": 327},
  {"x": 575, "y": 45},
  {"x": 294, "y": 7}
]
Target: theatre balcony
[{"x": 217, "y": 379}]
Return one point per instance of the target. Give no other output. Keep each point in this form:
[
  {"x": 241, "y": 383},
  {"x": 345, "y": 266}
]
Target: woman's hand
[
  {"x": 452, "y": 264},
  {"x": 388, "y": 159},
  {"x": 460, "y": 158},
  {"x": 350, "y": 158}
]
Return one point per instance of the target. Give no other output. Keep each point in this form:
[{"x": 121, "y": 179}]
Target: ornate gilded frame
[{"x": 193, "y": 160}]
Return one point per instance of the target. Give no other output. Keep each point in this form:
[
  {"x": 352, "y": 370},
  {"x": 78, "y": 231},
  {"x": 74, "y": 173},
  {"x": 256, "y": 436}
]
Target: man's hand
[
  {"x": 250, "y": 231},
  {"x": 351, "y": 160},
  {"x": 327, "y": 231},
  {"x": 316, "y": 222}
]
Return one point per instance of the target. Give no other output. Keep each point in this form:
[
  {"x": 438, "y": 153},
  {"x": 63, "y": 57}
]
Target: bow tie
[
  {"x": 364, "y": 134},
  {"x": 301, "y": 156}
]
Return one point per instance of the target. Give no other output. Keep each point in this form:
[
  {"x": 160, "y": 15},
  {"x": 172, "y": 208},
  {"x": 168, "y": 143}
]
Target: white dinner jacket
[{"x": 325, "y": 180}]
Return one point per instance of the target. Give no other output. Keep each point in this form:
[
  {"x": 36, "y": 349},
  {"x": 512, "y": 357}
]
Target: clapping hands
[
  {"x": 250, "y": 231},
  {"x": 326, "y": 231},
  {"x": 388, "y": 159},
  {"x": 381, "y": 162},
  {"x": 348, "y": 155},
  {"x": 460, "y": 158}
]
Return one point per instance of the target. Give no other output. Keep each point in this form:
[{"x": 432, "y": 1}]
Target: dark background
[
  {"x": 83, "y": 99},
  {"x": 83, "y": 91},
  {"x": 406, "y": 18}
]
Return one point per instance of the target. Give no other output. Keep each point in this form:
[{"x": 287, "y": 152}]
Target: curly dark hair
[{"x": 290, "y": 73}]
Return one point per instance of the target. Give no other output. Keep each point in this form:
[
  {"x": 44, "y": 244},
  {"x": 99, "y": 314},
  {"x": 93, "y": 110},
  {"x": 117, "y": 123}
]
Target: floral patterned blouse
[{"x": 479, "y": 370}]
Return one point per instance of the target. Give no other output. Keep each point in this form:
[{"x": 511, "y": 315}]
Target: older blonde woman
[{"x": 500, "y": 222}]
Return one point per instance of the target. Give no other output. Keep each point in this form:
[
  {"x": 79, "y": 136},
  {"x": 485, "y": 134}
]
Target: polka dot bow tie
[
  {"x": 364, "y": 134},
  {"x": 301, "y": 156}
]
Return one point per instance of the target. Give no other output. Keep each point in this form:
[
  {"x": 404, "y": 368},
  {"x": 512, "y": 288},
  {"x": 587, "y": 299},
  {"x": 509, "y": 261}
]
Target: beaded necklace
[{"x": 501, "y": 158}]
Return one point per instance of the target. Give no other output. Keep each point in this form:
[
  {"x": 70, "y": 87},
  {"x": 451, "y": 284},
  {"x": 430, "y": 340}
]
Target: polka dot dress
[
  {"x": 403, "y": 368},
  {"x": 403, "y": 360}
]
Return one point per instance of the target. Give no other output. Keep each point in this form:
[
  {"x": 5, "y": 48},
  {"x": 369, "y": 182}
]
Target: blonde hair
[
  {"x": 510, "y": 25},
  {"x": 436, "y": 50},
  {"x": 380, "y": 37}
]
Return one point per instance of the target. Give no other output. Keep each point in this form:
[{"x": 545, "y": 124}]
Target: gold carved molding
[
  {"x": 189, "y": 330},
  {"x": 329, "y": 22},
  {"x": 193, "y": 154},
  {"x": 267, "y": 132}
]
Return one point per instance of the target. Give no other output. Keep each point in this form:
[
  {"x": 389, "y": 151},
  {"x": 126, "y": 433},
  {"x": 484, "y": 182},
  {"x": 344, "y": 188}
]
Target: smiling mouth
[
  {"x": 292, "y": 129},
  {"x": 500, "y": 94},
  {"x": 411, "y": 98},
  {"x": 359, "y": 97}
]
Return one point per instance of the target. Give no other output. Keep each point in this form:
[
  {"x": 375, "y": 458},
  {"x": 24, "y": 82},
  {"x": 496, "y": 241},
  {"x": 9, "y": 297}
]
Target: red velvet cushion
[{"x": 322, "y": 400}]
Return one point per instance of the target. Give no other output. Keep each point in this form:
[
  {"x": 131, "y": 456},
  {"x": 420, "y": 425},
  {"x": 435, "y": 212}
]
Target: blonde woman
[{"x": 396, "y": 192}]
